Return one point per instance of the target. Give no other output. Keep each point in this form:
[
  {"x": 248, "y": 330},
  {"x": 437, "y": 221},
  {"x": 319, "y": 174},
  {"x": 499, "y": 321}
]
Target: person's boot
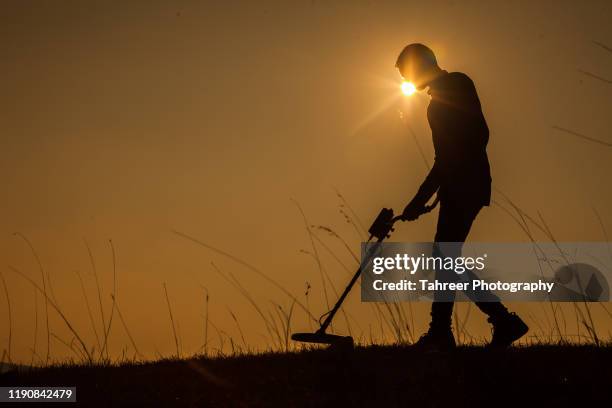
[
  {"x": 437, "y": 339},
  {"x": 507, "y": 328}
]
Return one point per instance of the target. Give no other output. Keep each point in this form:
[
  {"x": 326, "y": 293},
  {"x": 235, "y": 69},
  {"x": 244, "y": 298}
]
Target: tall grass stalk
[
  {"x": 314, "y": 252},
  {"x": 249, "y": 267},
  {"x": 521, "y": 220},
  {"x": 10, "y": 316},
  {"x": 239, "y": 328},
  {"x": 88, "y": 307},
  {"x": 333, "y": 287},
  {"x": 113, "y": 297},
  {"x": 345, "y": 204},
  {"x": 231, "y": 279},
  {"x": 590, "y": 325},
  {"x": 306, "y": 293},
  {"x": 587, "y": 322},
  {"x": 59, "y": 312},
  {"x": 77, "y": 352},
  {"x": 176, "y": 343},
  {"x": 98, "y": 288},
  {"x": 35, "y": 327},
  {"x": 206, "y": 300},
  {"x": 125, "y": 326},
  {"x": 44, "y": 285}
]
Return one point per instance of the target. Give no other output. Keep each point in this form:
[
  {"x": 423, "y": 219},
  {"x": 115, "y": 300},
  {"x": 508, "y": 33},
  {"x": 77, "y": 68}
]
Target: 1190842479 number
[{"x": 19, "y": 394}]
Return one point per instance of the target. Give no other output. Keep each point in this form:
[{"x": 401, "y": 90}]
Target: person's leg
[
  {"x": 454, "y": 223},
  {"x": 507, "y": 327}
]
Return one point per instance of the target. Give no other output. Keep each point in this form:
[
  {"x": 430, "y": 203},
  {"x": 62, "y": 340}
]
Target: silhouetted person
[{"x": 462, "y": 179}]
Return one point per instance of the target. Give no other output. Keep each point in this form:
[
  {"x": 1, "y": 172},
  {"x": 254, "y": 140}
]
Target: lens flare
[{"x": 408, "y": 88}]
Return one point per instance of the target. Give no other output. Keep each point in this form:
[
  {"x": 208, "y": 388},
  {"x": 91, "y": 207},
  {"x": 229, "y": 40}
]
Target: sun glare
[{"x": 408, "y": 88}]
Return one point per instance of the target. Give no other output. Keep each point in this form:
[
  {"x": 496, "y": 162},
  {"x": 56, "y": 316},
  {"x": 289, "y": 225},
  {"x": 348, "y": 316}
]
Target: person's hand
[{"x": 412, "y": 211}]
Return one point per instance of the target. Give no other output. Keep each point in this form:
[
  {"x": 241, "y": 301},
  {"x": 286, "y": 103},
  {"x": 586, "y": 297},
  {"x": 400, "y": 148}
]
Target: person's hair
[{"x": 419, "y": 53}]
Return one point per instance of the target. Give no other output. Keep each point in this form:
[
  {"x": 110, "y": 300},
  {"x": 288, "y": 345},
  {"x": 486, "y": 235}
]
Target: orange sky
[{"x": 125, "y": 121}]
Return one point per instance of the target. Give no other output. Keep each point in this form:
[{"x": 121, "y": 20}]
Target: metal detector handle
[
  {"x": 431, "y": 206},
  {"x": 426, "y": 209}
]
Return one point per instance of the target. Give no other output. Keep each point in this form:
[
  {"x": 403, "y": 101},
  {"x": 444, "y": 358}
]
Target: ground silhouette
[{"x": 389, "y": 376}]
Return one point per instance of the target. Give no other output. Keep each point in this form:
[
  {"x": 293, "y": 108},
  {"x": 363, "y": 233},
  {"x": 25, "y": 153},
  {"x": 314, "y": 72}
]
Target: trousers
[{"x": 455, "y": 220}]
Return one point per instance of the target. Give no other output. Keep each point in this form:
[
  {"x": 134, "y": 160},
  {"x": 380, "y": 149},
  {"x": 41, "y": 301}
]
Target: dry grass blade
[
  {"x": 599, "y": 78},
  {"x": 44, "y": 282},
  {"x": 521, "y": 219},
  {"x": 70, "y": 346},
  {"x": 239, "y": 328},
  {"x": 580, "y": 135},
  {"x": 125, "y": 327},
  {"x": 248, "y": 266},
  {"x": 99, "y": 289},
  {"x": 288, "y": 326},
  {"x": 113, "y": 297},
  {"x": 10, "y": 316},
  {"x": 245, "y": 293},
  {"x": 2, "y": 359},
  {"x": 603, "y": 231},
  {"x": 176, "y": 343},
  {"x": 87, "y": 306},
  {"x": 331, "y": 284},
  {"x": 58, "y": 310},
  {"x": 314, "y": 251},
  {"x": 339, "y": 238},
  {"x": 592, "y": 330},
  {"x": 35, "y": 327},
  {"x": 206, "y": 300},
  {"x": 344, "y": 203},
  {"x": 602, "y": 45}
]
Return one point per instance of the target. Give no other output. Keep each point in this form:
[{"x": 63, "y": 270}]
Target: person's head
[{"x": 417, "y": 64}]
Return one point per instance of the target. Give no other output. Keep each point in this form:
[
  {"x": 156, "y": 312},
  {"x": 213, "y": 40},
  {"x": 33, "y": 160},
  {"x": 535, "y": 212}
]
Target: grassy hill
[{"x": 375, "y": 376}]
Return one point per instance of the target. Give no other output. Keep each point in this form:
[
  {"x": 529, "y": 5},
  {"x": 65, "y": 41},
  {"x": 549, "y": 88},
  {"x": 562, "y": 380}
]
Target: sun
[{"x": 408, "y": 88}]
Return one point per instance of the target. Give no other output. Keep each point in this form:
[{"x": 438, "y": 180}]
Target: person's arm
[{"x": 417, "y": 205}]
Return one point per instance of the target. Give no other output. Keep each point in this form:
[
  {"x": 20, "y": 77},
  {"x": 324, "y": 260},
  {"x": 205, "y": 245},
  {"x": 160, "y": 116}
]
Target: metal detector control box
[{"x": 382, "y": 225}]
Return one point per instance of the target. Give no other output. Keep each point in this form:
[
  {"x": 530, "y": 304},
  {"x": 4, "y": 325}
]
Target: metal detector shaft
[
  {"x": 380, "y": 229},
  {"x": 336, "y": 307}
]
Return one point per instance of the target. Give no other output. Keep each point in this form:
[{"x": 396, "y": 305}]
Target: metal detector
[{"x": 381, "y": 228}]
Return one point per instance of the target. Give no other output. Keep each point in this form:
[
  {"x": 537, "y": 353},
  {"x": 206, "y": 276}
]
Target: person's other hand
[{"x": 412, "y": 212}]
